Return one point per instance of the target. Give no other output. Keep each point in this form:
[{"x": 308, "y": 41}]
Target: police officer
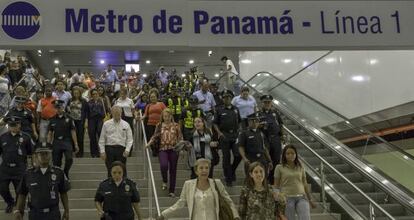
[
  {"x": 226, "y": 124},
  {"x": 252, "y": 145},
  {"x": 272, "y": 130},
  {"x": 27, "y": 119},
  {"x": 175, "y": 103},
  {"x": 188, "y": 116},
  {"x": 45, "y": 184},
  {"x": 15, "y": 148},
  {"x": 117, "y": 197},
  {"x": 62, "y": 134}
]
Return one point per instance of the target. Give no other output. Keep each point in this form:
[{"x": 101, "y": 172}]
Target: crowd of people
[{"x": 48, "y": 118}]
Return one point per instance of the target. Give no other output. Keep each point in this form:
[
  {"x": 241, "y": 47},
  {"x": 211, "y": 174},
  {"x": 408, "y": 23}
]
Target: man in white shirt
[
  {"x": 163, "y": 75},
  {"x": 229, "y": 65},
  {"x": 115, "y": 141}
]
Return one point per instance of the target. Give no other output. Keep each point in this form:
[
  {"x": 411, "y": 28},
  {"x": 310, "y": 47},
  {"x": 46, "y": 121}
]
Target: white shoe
[{"x": 164, "y": 186}]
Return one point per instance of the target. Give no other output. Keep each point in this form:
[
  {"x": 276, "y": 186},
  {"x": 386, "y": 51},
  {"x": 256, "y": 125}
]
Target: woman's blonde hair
[
  {"x": 166, "y": 111},
  {"x": 200, "y": 161}
]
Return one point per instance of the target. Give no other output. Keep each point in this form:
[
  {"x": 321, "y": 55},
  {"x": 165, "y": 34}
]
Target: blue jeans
[{"x": 299, "y": 205}]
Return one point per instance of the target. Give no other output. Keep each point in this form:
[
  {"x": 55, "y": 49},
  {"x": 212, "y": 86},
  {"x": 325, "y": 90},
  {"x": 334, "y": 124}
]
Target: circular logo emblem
[{"x": 20, "y": 20}]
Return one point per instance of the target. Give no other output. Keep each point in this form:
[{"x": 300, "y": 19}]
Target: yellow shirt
[{"x": 291, "y": 180}]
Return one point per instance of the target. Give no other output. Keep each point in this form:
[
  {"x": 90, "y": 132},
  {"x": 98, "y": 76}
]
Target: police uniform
[
  {"x": 227, "y": 119},
  {"x": 25, "y": 115},
  {"x": 14, "y": 149},
  {"x": 254, "y": 144},
  {"x": 217, "y": 95},
  {"x": 117, "y": 200},
  {"x": 176, "y": 105},
  {"x": 62, "y": 126},
  {"x": 44, "y": 189},
  {"x": 272, "y": 130},
  {"x": 188, "y": 117}
]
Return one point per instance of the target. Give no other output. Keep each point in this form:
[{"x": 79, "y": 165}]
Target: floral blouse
[{"x": 256, "y": 205}]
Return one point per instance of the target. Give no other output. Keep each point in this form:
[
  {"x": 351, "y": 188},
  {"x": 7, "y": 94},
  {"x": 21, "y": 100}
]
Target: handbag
[
  {"x": 225, "y": 212},
  {"x": 107, "y": 115}
]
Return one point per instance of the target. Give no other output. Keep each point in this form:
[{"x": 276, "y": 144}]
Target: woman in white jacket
[{"x": 200, "y": 196}]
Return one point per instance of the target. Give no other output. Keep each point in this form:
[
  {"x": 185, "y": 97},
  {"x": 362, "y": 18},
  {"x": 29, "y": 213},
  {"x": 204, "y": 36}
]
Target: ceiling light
[
  {"x": 51, "y": 51},
  {"x": 216, "y": 75},
  {"x": 39, "y": 51},
  {"x": 276, "y": 102},
  {"x": 102, "y": 61},
  {"x": 253, "y": 85},
  {"x": 183, "y": 75},
  {"x": 246, "y": 61},
  {"x": 287, "y": 60},
  {"x": 373, "y": 61},
  {"x": 144, "y": 75},
  {"x": 39, "y": 54},
  {"x": 148, "y": 61},
  {"x": 56, "y": 61},
  {"x": 330, "y": 60},
  {"x": 210, "y": 52},
  {"x": 191, "y": 61},
  {"x": 64, "y": 75},
  {"x": 358, "y": 78}
]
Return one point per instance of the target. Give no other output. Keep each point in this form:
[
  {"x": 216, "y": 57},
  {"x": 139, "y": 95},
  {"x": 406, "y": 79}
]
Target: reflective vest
[
  {"x": 186, "y": 103},
  {"x": 188, "y": 86},
  {"x": 189, "y": 119},
  {"x": 175, "y": 108},
  {"x": 170, "y": 85}
]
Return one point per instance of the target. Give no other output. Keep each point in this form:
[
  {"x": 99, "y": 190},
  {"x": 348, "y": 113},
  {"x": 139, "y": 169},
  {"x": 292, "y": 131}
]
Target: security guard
[
  {"x": 188, "y": 116},
  {"x": 226, "y": 124},
  {"x": 175, "y": 103},
  {"x": 252, "y": 145},
  {"x": 45, "y": 184},
  {"x": 62, "y": 134},
  {"x": 272, "y": 130},
  {"x": 15, "y": 148},
  {"x": 27, "y": 119},
  {"x": 118, "y": 195}
]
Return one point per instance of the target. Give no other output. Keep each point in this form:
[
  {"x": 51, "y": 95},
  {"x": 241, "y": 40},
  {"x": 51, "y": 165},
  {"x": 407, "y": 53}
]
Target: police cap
[
  {"x": 266, "y": 98},
  {"x": 20, "y": 99},
  {"x": 193, "y": 99},
  {"x": 253, "y": 116},
  {"x": 13, "y": 120},
  {"x": 227, "y": 92},
  {"x": 58, "y": 103},
  {"x": 43, "y": 150}
]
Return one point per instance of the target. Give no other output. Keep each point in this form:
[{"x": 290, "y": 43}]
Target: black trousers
[
  {"x": 94, "y": 131},
  {"x": 52, "y": 215},
  {"x": 5, "y": 190},
  {"x": 121, "y": 216},
  {"x": 229, "y": 146},
  {"x": 149, "y": 131},
  {"x": 275, "y": 151},
  {"x": 130, "y": 121},
  {"x": 114, "y": 153},
  {"x": 80, "y": 135},
  {"x": 57, "y": 155}
]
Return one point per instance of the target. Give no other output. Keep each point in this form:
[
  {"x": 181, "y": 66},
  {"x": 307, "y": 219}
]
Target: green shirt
[{"x": 291, "y": 180}]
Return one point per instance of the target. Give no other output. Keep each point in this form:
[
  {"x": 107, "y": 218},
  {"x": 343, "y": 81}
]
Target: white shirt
[
  {"x": 204, "y": 207},
  {"x": 246, "y": 107},
  {"x": 114, "y": 133},
  {"x": 209, "y": 103},
  {"x": 126, "y": 104},
  {"x": 233, "y": 68}
]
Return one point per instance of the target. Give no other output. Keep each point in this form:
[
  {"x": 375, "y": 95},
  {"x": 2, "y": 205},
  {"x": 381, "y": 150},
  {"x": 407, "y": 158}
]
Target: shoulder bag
[{"x": 225, "y": 212}]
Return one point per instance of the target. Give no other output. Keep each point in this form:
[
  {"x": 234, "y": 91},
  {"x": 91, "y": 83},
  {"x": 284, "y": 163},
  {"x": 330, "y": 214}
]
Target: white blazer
[{"x": 188, "y": 194}]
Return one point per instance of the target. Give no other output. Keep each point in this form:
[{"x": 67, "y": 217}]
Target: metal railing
[
  {"x": 152, "y": 190},
  {"x": 351, "y": 126},
  {"x": 372, "y": 204}
]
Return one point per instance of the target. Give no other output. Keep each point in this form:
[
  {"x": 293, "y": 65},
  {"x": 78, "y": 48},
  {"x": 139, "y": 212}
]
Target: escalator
[{"x": 354, "y": 187}]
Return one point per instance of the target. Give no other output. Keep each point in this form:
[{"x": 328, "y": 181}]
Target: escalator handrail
[
  {"x": 402, "y": 196},
  {"x": 326, "y": 163},
  {"x": 147, "y": 153},
  {"x": 358, "y": 129}
]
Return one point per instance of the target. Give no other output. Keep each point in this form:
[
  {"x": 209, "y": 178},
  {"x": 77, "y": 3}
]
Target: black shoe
[{"x": 9, "y": 208}]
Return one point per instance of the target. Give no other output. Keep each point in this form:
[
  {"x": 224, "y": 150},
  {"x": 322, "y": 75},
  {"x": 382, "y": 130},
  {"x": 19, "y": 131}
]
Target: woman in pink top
[{"x": 167, "y": 134}]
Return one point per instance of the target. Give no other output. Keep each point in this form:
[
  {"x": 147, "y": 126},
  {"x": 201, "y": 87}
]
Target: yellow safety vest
[
  {"x": 189, "y": 119},
  {"x": 175, "y": 108},
  {"x": 186, "y": 103},
  {"x": 171, "y": 85}
]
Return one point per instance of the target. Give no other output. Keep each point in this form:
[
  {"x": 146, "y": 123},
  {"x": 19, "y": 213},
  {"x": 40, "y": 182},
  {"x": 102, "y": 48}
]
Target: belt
[{"x": 44, "y": 210}]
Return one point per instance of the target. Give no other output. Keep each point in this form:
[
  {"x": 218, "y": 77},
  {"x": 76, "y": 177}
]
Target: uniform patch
[
  {"x": 53, "y": 177},
  {"x": 67, "y": 120},
  {"x": 127, "y": 188},
  {"x": 21, "y": 140},
  {"x": 4, "y": 143},
  {"x": 250, "y": 137}
]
